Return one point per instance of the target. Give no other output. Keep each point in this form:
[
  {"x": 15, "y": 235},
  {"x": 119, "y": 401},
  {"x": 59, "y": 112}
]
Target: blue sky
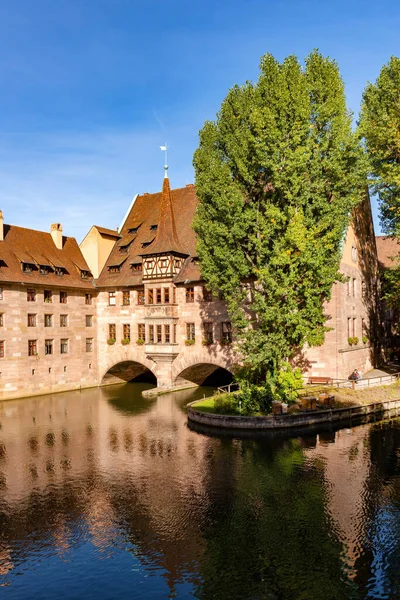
[{"x": 91, "y": 88}]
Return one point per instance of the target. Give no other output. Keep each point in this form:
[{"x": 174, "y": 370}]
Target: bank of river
[{"x": 105, "y": 494}]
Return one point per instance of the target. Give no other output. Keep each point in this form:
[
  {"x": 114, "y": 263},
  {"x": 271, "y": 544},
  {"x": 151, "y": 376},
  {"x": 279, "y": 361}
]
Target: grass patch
[{"x": 206, "y": 405}]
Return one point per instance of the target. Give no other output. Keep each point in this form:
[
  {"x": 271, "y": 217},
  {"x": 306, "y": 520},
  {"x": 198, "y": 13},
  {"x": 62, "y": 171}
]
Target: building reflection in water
[{"x": 104, "y": 490}]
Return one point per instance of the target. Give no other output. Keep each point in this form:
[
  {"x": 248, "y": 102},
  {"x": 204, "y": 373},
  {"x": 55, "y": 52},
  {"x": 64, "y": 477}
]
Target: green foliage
[
  {"x": 380, "y": 127},
  {"x": 111, "y": 341},
  {"x": 277, "y": 176},
  {"x": 140, "y": 342},
  {"x": 353, "y": 341},
  {"x": 364, "y": 339},
  {"x": 189, "y": 342},
  {"x": 125, "y": 341},
  {"x": 227, "y": 404}
]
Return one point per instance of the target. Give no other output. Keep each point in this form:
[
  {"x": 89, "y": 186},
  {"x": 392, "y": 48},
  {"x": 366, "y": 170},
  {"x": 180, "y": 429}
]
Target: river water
[{"x": 106, "y": 495}]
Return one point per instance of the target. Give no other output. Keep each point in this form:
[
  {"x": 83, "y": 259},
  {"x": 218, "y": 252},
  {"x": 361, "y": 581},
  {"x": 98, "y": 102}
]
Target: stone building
[
  {"x": 132, "y": 304},
  {"x": 47, "y": 313}
]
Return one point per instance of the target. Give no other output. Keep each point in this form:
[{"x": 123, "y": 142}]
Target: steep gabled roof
[
  {"x": 167, "y": 239},
  {"x": 146, "y": 212}
]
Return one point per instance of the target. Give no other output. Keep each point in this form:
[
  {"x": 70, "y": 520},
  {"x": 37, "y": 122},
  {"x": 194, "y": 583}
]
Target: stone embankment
[{"x": 295, "y": 420}]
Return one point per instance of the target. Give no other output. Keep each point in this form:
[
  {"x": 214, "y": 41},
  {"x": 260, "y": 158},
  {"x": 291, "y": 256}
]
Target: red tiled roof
[
  {"x": 388, "y": 249},
  {"x": 105, "y": 231},
  {"x": 37, "y": 248},
  {"x": 167, "y": 238},
  {"x": 146, "y": 212}
]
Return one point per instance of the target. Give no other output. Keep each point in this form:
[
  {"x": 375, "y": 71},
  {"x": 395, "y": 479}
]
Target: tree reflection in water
[{"x": 104, "y": 494}]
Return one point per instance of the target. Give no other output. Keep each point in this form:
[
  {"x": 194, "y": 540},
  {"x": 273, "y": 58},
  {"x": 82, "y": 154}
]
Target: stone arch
[
  {"x": 126, "y": 365},
  {"x": 197, "y": 367}
]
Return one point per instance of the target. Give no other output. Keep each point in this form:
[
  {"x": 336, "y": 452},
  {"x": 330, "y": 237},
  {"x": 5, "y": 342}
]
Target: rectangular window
[
  {"x": 63, "y": 320},
  {"x": 141, "y": 331},
  {"x": 174, "y": 333},
  {"x": 48, "y": 320},
  {"x": 43, "y": 270},
  {"x": 150, "y": 297},
  {"x": 1, "y": 293},
  {"x": 31, "y": 295},
  {"x": 349, "y": 324},
  {"x": 354, "y": 326},
  {"x": 89, "y": 320},
  {"x": 354, "y": 288},
  {"x": 349, "y": 287},
  {"x": 167, "y": 338},
  {"x": 32, "y": 347},
  {"x": 190, "y": 294},
  {"x": 207, "y": 295},
  {"x": 89, "y": 344},
  {"x": 48, "y": 347},
  {"x": 159, "y": 334},
  {"x": 208, "y": 333},
  {"x": 112, "y": 331},
  {"x": 151, "y": 334},
  {"x": 1, "y": 348},
  {"x": 1, "y": 319},
  {"x": 111, "y": 298},
  {"x": 31, "y": 320},
  {"x": 140, "y": 296},
  {"x": 64, "y": 346},
  {"x": 88, "y": 298},
  {"x": 126, "y": 331},
  {"x": 59, "y": 271},
  {"x": 166, "y": 295},
  {"x": 126, "y": 298},
  {"x": 158, "y": 296},
  {"x": 190, "y": 332},
  {"x": 48, "y": 296},
  {"x": 173, "y": 295},
  {"x": 63, "y": 297},
  {"x": 226, "y": 331}
]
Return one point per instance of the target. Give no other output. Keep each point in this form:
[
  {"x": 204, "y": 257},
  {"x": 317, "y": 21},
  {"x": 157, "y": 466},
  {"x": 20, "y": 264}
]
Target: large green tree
[
  {"x": 277, "y": 174},
  {"x": 380, "y": 127}
]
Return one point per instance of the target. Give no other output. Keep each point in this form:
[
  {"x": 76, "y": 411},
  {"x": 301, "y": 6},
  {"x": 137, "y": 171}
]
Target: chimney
[
  {"x": 56, "y": 234},
  {"x": 1, "y": 226}
]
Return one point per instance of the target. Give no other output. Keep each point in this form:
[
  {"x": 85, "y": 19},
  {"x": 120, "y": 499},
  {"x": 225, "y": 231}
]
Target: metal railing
[{"x": 331, "y": 383}]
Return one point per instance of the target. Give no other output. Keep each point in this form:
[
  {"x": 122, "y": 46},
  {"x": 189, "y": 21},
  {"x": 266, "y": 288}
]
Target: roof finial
[{"x": 165, "y": 149}]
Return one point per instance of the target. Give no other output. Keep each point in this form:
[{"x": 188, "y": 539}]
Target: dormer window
[
  {"x": 153, "y": 227},
  {"x": 134, "y": 229},
  {"x": 114, "y": 269},
  {"x": 60, "y": 271},
  {"x": 43, "y": 270},
  {"x": 147, "y": 243},
  {"x": 85, "y": 274},
  {"x": 137, "y": 267},
  {"x": 27, "y": 267}
]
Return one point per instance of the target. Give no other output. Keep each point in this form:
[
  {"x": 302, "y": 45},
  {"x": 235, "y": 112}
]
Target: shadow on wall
[
  {"x": 368, "y": 261},
  {"x": 129, "y": 371}
]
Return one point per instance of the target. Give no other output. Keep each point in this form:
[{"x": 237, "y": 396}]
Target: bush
[{"x": 227, "y": 404}]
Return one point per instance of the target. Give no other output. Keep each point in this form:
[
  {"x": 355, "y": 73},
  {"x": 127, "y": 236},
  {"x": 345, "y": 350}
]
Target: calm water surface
[{"x": 106, "y": 495}]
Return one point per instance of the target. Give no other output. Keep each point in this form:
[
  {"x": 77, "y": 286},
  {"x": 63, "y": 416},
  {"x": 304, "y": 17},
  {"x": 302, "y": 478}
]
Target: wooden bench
[{"x": 320, "y": 380}]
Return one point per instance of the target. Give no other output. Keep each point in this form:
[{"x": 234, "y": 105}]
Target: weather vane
[{"x": 165, "y": 149}]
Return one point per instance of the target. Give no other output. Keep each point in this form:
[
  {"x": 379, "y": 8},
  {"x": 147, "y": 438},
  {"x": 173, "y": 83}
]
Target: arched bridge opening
[
  {"x": 129, "y": 371},
  {"x": 206, "y": 374}
]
